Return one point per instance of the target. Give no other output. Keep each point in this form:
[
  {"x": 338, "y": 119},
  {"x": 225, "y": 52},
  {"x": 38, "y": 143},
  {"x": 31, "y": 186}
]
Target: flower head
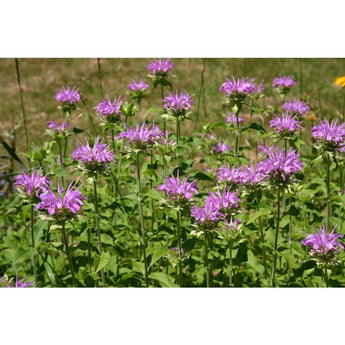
[
  {"x": 283, "y": 82},
  {"x": 239, "y": 87},
  {"x": 110, "y": 109},
  {"x": 322, "y": 242},
  {"x": 236, "y": 175},
  {"x": 232, "y": 119},
  {"x": 33, "y": 183},
  {"x": 285, "y": 125},
  {"x": 18, "y": 283},
  {"x": 142, "y": 136},
  {"x": 278, "y": 166},
  {"x": 68, "y": 95},
  {"x": 58, "y": 128},
  {"x": 223, "y": 201},
  {"x": 330, "y": 134},
  {"x": 177, "y": 190},
  {"x": 64, "y": 203},
  {"x": 94, "y": 158},
  {"x": 160, "y": 66},
  {"x": 178, "y": 103},
  {"x": 220, "y": 147},
  {"x": 139, "y": 85},
  {"x": 208, "y": 215},
  {"x": 296, "y": 107},
  {"x": 251, "y": 177}
]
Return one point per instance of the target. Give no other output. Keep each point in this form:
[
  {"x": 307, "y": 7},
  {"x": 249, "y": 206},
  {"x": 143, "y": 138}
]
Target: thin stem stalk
[
  {"x": 68, "y": 255},
  {"x": 276, "y": 240},
  {"x": 179, "y": 247}
]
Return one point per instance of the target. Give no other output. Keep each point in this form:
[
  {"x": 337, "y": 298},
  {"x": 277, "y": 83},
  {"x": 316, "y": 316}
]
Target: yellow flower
[{"x": 340, "y": 81}]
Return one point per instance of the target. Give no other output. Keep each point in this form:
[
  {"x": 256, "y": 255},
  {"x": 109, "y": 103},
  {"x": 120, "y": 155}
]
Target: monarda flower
[
  {"x": 220, "y": 148},
  {"x": 296, "y": 107},
  {"x": 177, "y": 190},
  {"x": 178, "y": 103},
  {"x": 33, "y": 184},
  {"x": 238, "y": 89},
  {"x": 160, "y": 66},
  {"x": 330, "y": 135},
  {"x": 95, "y": 158},
  {"x": 284, "y": 83},
  {"x": 224, "y": 201},
  {"x": 323, "y": 243},
  {"x": 278, "y": 167},
  {"x": 68, "y": 95},
  {"x": 285, "y": 125},
  {"x": 251, "y": 177},
  {"x": 4, "y": 281},
  {"x": 138, "y": 86},
  {"x": 111, "y": 110},
  {"x": 208, "y": 215},
  {"x": 142, "y": 137},
  {"x": 58, "y": 129},
  {"x": 232, "y": 120},
  {"x": 231, "y": 176},
  {"x": 62, "y": 205}
]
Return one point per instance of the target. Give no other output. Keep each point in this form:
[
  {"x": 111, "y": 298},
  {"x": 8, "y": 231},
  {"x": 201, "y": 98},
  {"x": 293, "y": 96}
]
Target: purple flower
[
  {"x": 279, "y": 167},
  {"x": 109, "y": 108},
  {"x": 239, "y": 87},
  {"x": 231, "y": 176},
  {"x": 283, "y": 82},
  {"x": 207, "y": 215},
  {"x": 139, "y": 85},
  {"x": 231, "y": 119},
  {"x": 220, "y": 147},
  {"x": 178, "y": 102},
  {"x": 250, "y": 176},
  {"x": 224, "y": 201},
  {"x": 58, "y": 128},
  {"x": 177, "y": 190},
  {"x": 68, "y": 95},
  {"x": 33, "y": 184},
  {"x": 285, "y": 125},
  {"x": 18, "y": 283},
  {"x": 232, "y": 225},
  {"x": 96, "y": 157},
  {"x": 323, "y": 242},
  {"x": 296, "y": 107},
  {"x": 330, "y": 134},
  {"x": 64, "y": 203},
  {"x": 160, "y": 66},
  {"x": 260, "y": 88},
  {"x": 141, "y": 137}
]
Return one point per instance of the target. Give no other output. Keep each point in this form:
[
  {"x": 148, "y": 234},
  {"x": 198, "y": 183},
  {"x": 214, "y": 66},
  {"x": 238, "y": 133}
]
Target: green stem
[
  {"x": 230, "y": 262},
  {"x": 162, "y": 94},
  {"x": 33, "y": 242},
  {"x": 207, "y": 263},
  {"x": 61, "y": 161},
  {"x": 326, "y": 276},
  {"x": 143, "y": 243},
  {"x": 100, "y": 249},
  {"x": 68, "y": 255},
  {"x": 178, "y": 128},
  {"x": 179, "y": 247},
  {"x": 276, "y": 240}
]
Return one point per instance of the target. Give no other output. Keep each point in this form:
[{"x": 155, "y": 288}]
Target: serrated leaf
[
  {"x": 139, "y": 267},
  {"x": 112, "y": 264},
  {"x": 107, "y": 239},
  {"x": 103, "y": 261},
  {"x": 158, "y": 253},
  {"x": 163, "y": 279},
  {"x": 154, "y": 194}
]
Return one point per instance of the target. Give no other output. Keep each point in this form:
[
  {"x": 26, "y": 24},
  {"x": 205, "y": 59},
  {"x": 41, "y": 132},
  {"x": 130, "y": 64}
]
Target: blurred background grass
[{"x": 41, "y": 78}]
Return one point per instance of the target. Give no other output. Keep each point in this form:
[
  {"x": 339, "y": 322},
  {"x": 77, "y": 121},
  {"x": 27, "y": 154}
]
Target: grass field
[{"x": 41, "y": 78}]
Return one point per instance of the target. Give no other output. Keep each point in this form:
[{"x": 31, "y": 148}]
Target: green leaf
[
  {"x": 86, "y": 245},
  {"x": 38, "y": 231},
  {"x": 256, "y": 127},
  {"x": 139, "y": 267},
  {"x": 104, "y": 259},
  {"x": 255, "y": 215},
  {"x": 107, "y": 239},
  {"x": 112, "y": 264},
  {"x": 202, "y": 177},
  {"x": 154, "y": 194},
  {"x": 11, "y": 151},
  {"x": 50, "y": 274},
  {"x": 158, "y": 253},
  {"x": 163, "y": 279},
  {"x": 77, "y": 130},
  {"x": 253, "y": 262},
  {"x": 23, "y": 254}
]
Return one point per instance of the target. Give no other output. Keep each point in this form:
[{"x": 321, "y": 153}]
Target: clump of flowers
[
  {"x": 160, "y": 66},
  {"x": 31, "y": 185},
  {"x": 5, "y": 282},
  {"x": 285, "y": 125},
  {"x": 165, "y": 145},
  {"x": 69, "y": 97},
  {"x": 220, "y": 148},
  {"x": 251, "y": 178},
  {"x": 63, "y": 205},
  {"x": 177, "y": 104},
  {"x": 331, "y": 135},
  {"x": 279, "y": 167},
  {"x": 142, "y": 137},
  {"x": 223, "y": 201},
  {"x": 283, "y": 84},
  {"x": 61, "y": 130},
  {"x": 231, "y": 119},
  {"x": 95, "y": 158},
  {"x": 296, "y": 107},
  {"x": 324, "y": 243},
  {"x": 179, "y": 191},
  {"x": 235, "y": 175},
  {"x": 137, "y": 89},
  {"x": 110, "y": 110}
]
